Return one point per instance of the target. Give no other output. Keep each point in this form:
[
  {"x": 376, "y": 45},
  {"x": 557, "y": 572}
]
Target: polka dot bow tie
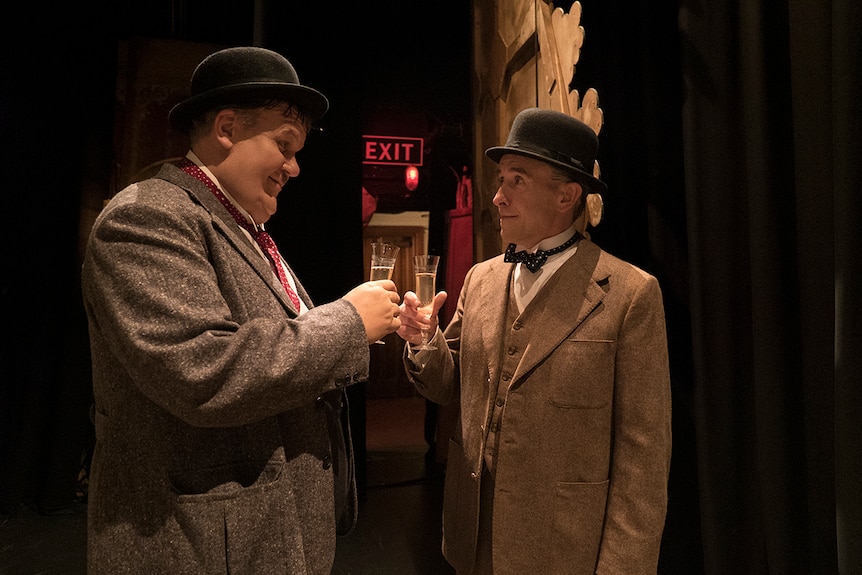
[{"x": 534, "y": 261}]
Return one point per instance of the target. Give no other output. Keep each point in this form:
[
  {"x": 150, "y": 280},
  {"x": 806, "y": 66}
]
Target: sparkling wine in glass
[
  {"x": 425, "y": 269},
  {"x": 381, "y": 272},
  {"x": 383, "y": 256}
]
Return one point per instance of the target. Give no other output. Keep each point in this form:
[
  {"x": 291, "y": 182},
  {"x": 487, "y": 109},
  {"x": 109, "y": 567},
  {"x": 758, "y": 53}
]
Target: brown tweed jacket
[
  {"x": 212, "y": 398},
  {"x": 585, "y": 436}
]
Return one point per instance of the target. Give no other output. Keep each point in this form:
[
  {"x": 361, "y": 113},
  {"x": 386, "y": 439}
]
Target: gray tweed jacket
[{"x": 218, "y": 442}]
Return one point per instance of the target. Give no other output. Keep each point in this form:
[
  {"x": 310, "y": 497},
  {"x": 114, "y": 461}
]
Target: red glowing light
[{"x": 411, "y": 177}]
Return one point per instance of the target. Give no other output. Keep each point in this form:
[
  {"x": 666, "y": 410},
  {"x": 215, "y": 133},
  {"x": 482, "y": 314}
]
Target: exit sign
[{"x": 392, "y": 150}]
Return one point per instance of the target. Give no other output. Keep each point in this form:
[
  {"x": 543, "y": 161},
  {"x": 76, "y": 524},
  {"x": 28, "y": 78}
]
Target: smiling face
[
  {"x": 261, "y": 147},
  {"x": 535, "y": 201}
]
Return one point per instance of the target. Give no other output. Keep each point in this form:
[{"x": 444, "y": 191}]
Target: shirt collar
[{"x": 551, "y": 242}]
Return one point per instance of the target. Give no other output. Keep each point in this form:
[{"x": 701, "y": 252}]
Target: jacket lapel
[
  {"x": 494, "y": 295},
  {"x": 568, "y": 298},
  {"x": 224, "y": 223}
]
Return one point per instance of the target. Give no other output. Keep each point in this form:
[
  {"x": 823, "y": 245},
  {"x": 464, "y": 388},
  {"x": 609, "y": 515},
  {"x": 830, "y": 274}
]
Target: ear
[
  {"x": 568, "y": 196},
  {"x": 224, "y": 127}
]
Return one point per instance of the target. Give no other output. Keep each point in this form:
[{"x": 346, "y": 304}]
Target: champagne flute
[
  {"x": 425, "y": 269},
  {"x": 383, "y": 256}
]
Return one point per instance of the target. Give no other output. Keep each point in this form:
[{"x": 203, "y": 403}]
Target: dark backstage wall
[{"x": 77, "y": 137}]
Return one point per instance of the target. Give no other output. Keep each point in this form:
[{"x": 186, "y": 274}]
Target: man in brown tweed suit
[{"x": 557, "y": 358}]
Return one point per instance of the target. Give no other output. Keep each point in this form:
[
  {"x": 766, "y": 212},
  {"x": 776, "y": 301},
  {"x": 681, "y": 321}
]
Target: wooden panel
[{"x": 525, "y": 53}]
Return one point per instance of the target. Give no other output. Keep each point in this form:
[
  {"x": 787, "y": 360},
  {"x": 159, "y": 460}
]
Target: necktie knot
[{"x": 534, "y": 261}]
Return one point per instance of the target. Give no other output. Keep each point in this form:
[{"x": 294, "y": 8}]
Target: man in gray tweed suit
[{"x": 218, "y": 383}]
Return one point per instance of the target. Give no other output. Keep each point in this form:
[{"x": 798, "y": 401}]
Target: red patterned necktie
[{"x": 260, "y": 236}]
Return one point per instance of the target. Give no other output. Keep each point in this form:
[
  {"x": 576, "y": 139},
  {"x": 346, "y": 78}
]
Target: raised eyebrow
[
  {"x": 516, "y": 169},
  {"x": 513, "y": 171}
]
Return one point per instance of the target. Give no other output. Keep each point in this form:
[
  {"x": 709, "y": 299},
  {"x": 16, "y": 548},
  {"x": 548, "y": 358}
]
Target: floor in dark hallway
[
  {"x": 400, "y": 515},
  {"x": 399, "y": 527}
]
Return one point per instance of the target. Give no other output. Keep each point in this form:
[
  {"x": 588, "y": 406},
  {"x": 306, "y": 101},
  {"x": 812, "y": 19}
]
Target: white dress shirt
[{"x": 527, "y": 284}]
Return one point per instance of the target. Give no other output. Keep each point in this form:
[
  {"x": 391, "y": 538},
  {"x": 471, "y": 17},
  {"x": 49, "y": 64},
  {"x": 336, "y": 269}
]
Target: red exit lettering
[{"x": 393, "y": 150}]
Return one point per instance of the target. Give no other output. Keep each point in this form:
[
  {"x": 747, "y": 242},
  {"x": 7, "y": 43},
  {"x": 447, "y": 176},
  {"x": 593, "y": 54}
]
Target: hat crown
[
  {"x": 556, "y": 138},
  {"x": 241, "y": 74},
  {"x": 241, "y": 66},
  {"x": 562, "y": 136}
]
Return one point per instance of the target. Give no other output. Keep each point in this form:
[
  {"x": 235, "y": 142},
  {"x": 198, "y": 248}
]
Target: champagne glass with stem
[
  {"x": 425, "y": 269},
  {"x": 383, "y": 256}
]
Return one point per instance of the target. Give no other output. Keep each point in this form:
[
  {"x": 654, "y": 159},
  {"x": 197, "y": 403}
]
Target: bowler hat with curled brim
[
  {"x": 555, "y": 138},
  {"x": 234, "y": 75}
]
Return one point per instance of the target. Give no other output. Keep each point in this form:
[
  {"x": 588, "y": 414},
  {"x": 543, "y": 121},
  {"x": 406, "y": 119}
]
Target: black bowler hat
[
  {"x": 555, "y": 138},
  {"x": 232, "y": 75}
]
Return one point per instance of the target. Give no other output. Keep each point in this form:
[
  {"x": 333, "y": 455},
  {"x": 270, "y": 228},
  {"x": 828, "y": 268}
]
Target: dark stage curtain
[
  {"x": 45, "y": 389},
  {"x": 772, "y": 164}
]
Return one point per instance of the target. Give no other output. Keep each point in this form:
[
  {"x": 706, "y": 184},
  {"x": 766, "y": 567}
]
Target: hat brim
[
  {"x": 312, "y": 103},
  {"x": 587, "y": 180}
]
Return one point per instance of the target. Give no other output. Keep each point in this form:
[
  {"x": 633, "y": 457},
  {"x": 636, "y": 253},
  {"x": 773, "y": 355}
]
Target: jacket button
[{"x": 327, "y": 462}]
